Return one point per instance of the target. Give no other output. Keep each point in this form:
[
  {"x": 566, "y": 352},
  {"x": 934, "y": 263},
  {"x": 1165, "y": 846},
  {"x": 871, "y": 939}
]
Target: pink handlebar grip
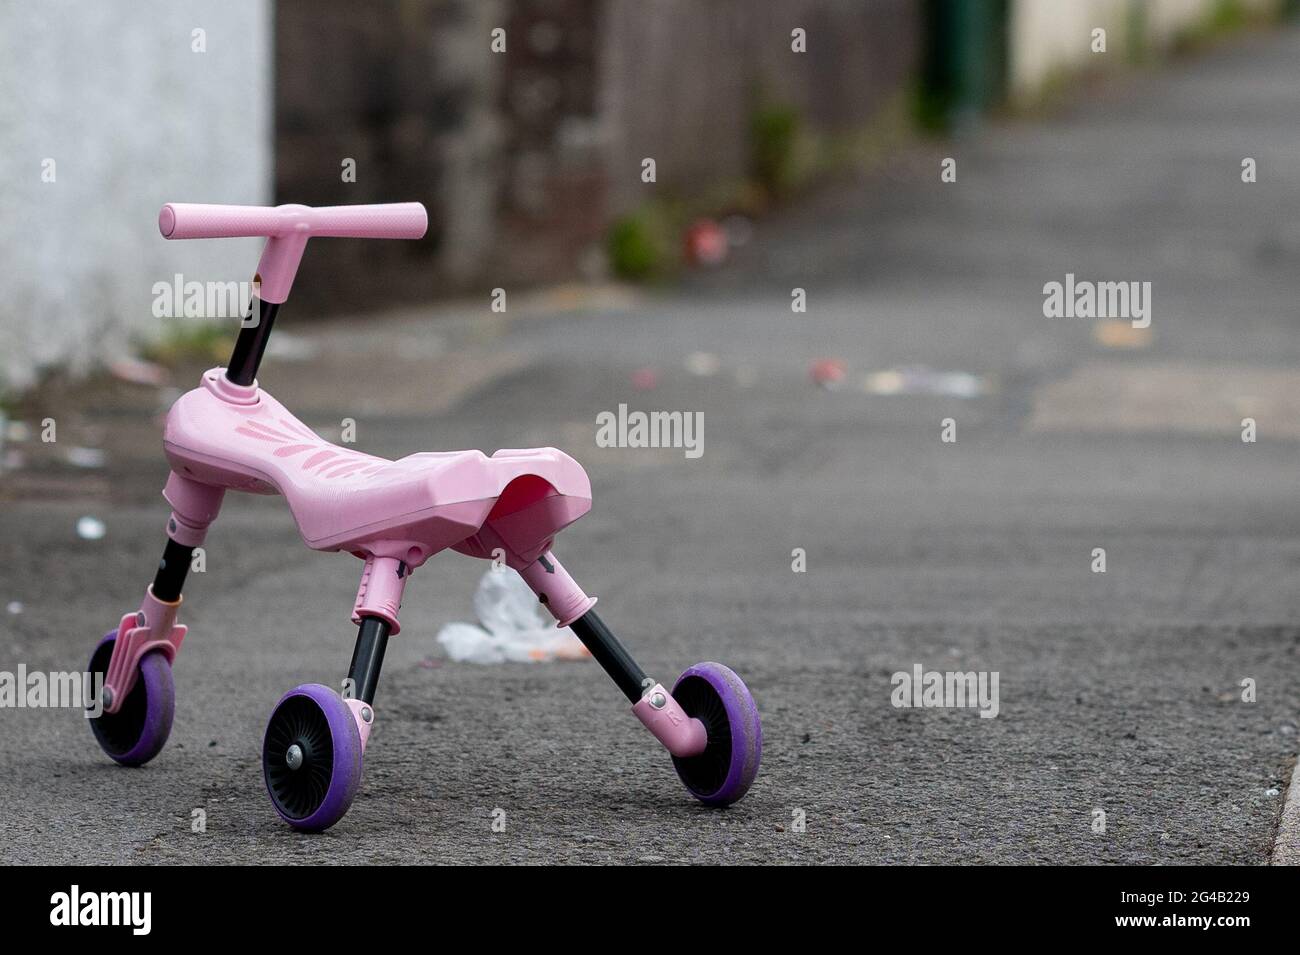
[
  {"x": 287, "y": 229},
  {"x": 189, "y": 220}
]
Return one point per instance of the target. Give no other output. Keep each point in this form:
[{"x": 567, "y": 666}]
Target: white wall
[
  {"x": 132, "y": 117},
  {"x": 1048, "y": 38}
]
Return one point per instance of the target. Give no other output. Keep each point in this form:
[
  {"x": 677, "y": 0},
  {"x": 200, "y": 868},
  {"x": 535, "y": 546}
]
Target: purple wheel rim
[
  {"x": 740, "y": 761},
  {"x": 345, "y": 759},
  {"x": 139, "y": 730}
]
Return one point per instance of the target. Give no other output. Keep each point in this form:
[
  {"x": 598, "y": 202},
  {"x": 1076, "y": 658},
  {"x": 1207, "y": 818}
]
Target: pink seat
[{"x": 243, "y": 439}]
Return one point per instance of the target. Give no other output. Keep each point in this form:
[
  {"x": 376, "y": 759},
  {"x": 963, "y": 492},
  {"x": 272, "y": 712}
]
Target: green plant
[
  {"x": 191, "y": 341},
  {"x": 1224, "y": 18},
  {"x": 1228, "y": 15},
  {"x": 774, "y": 138},
  {"x": 639, "y": 247}
]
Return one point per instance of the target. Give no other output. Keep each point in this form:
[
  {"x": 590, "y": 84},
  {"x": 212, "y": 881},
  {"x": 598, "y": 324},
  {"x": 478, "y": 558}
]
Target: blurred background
[{"x": 526, "y": 150}]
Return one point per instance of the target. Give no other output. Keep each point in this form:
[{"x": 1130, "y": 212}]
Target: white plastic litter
[
  {"x": 90, "y": 528},
  {"x": 137, "y": 371},
  {"x": 920, "y": 380},
  {"x": 702, "y": 364},
  {"x": 515, "y": 626},
  {"x": 80, "y": 457}
]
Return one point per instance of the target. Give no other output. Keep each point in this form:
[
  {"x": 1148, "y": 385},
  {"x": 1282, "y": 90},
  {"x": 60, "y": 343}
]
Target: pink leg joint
[
  {"x": 556, "y": 589},
  {"x": 364, "y": 714},
  {"x": 153, "y": 627},
  {"x": 681, "y": 735},
  {"x": 380, "y": 593},
  {"x": 194, "y": 507}
]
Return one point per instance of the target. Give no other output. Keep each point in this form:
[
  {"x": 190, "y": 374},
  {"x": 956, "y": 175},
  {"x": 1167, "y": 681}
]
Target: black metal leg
[
  {"x": 172, "y": 570},
  {"x": 610, "y": 654},
  {"x": 368, "y": 658}
]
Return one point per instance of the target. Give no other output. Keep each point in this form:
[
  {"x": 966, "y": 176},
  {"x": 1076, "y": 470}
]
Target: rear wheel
[
  {"x": 723, "y": 773},
  {"x": 311, "y": 757}
]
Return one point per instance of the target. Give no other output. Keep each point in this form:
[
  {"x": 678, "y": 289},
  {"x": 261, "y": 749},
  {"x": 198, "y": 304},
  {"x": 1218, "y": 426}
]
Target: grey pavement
[{"x": 1118, "y": 691}]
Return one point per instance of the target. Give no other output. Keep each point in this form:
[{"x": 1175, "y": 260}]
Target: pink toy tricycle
[{"x": 228, "y": 434}]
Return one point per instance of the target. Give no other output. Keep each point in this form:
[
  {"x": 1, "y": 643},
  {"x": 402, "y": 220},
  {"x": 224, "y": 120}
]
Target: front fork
[
  {"x": 379, "y": 598},
  {"x": 153, "y": 627},
  {"x": 652, "y": 704}
]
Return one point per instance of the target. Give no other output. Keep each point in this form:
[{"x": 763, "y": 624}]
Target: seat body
[{"x": 241, "y": 438}]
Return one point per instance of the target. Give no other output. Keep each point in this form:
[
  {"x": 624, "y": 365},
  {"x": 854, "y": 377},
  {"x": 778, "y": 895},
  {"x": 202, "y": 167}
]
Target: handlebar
[
  {"x": 287, "y": 229},
  {"x": 190, "y": 220}
]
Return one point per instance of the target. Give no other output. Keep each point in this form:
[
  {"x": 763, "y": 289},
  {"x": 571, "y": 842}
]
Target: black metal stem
[
  {"x": 610, "y": 654},
  {"x": 251, "y": 344},
  {"x": 368, "y": 658},
  {"x": 173, "y": 567}
]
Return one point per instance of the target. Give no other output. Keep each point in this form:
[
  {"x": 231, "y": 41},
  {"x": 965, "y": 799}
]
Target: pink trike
[{"x": 230, "y": 435}]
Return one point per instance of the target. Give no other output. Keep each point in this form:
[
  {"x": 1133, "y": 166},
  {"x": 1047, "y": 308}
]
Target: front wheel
[
  {"x": 723, "y": 773},
  {"x": 137, "y": 732},
  {"x": 311, "y": 757}
]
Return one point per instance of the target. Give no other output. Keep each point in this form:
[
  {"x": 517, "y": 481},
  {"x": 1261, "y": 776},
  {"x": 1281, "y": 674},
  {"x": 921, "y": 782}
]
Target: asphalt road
[{"x": 1118, "y": 691}]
